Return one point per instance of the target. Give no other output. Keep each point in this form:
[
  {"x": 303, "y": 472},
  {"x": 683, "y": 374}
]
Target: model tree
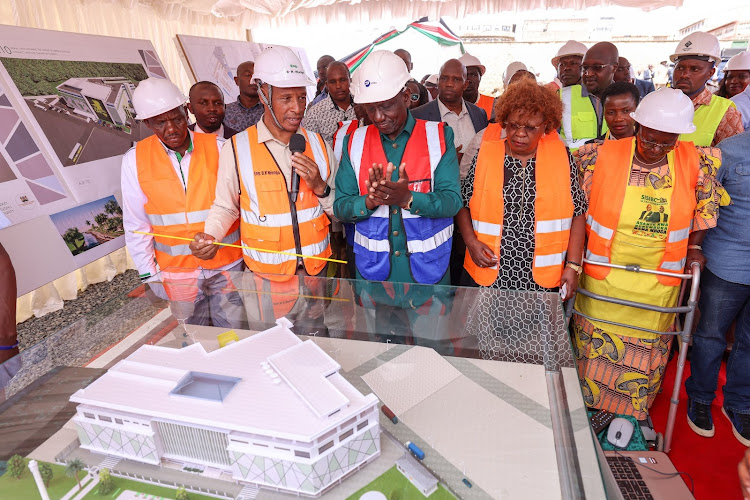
[
  {"x": 73, "y": 468},
  {"x": 182, "y": 494},
  {"x": 16, "y": 466},
  {"x": 106, "y": 483},
  {"x": 45, "y": 470}
]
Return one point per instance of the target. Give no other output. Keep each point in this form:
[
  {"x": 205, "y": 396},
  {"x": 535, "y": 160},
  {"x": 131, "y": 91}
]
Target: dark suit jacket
[
  {"x": 431, "y": 113},
  {"x": 228, "y": 131},
  {"x": 645, "y": 87}
]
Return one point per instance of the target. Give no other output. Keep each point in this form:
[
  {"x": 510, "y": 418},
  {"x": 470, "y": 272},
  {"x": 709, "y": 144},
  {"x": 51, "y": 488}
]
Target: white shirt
[
  {"x": 463, "y": 127},
  {"x": 219, "y": 131},
  {"x": 141, "y": 246}
]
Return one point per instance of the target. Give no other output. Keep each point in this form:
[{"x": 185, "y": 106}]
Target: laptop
[{"x": 647, "y": 475}]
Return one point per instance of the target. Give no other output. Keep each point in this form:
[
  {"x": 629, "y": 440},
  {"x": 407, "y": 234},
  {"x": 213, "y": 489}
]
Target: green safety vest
[
  {"x": 707, "y": 120},
  {"x": 579, "y": 121}
]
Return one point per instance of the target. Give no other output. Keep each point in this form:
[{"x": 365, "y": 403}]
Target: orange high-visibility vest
[
  {"x": 608, "y": 185},
  {"x": 265, "y": 207},
  {"x": 553, "y": 209},
  {"x": 175, "y": 211},
  {"x": 493, "y": 132},
  {"x": 486, "y": 102}
]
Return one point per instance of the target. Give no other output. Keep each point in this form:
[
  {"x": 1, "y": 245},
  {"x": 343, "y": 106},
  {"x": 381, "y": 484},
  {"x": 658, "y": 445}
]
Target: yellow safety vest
[
  {"x": 580, "y": 121},
  {"x": 707, "y": 120}
]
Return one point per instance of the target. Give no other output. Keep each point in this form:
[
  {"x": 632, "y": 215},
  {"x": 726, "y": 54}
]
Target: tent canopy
[{"x": 300, "y": 12}]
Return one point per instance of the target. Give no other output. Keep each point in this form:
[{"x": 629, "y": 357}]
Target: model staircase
[
  {"x": 108, "y": 463},
  {"x": 249, "y": 492}
]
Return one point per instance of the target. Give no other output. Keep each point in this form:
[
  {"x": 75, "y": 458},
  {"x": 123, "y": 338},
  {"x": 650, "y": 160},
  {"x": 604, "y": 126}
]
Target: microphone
[{"x": 296, "y": 145}]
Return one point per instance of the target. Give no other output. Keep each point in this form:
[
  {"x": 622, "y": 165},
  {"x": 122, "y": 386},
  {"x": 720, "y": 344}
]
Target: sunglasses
[{"x": 414, "y": 97}]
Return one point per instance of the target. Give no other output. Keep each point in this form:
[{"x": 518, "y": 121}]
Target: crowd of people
[{"x": 551, "y": 187}]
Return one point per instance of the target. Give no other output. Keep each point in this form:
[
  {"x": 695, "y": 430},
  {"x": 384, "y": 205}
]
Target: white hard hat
[
  {"x": 667, "y": 110},
  {"x": 279, "y": 66},
  {"x": 469, "y": 60},
  {"x": 739, "y": 62},
  {"x": 381, "y": 77},
  {"x": 511, "y": 70},
  {"x": 432, "y": 79},
  {"x": 571, "y": 48},
  {"x": 155, "y": 96},
  {"x": 698, "y": 44}
]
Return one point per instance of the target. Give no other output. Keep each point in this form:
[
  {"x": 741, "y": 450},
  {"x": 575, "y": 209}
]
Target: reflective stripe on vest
[
  {"x": 553, "y": 208},
  {"x": 706, "y": 120},
  {"x": 428, "y": 240},
  {"x": 174, "y": 210},
  {"x": 266, "y": 219},
  {"x": 609, "y": 183},
  {"x": 580, "y": 122},
  {"x": 345, "y": 128}
]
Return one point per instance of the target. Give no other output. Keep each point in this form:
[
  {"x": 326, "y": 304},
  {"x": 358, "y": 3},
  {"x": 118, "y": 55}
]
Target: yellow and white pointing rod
[{"x": 243, "y": 246}]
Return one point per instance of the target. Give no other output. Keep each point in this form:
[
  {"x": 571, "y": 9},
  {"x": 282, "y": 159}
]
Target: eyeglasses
[
  {"x": 512, "y": 128},
  {"x": 666, "y": 147},
  {"x": 595, "y": 68},
  {"x": 414, "y": 97}
]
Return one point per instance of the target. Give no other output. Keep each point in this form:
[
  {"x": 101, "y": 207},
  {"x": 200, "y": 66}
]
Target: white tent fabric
[{"x": 301, "y": 12}]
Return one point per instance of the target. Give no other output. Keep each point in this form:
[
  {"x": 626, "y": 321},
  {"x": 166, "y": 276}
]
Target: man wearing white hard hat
[
  {"x": 475, "y": 70},
  {"x": 168, "y": 182},
  {"x": 716, "y": 118},
  {"x": 431, "y": 84},
  {"x": 398, "y": 181},
  {"x": 567, "y": 63},
  {"x": 398, "y": 184},
  {"x": 652, "y": 199},
  {"x": 257, "y": 186},
  {"x": 738, "y": 84}
]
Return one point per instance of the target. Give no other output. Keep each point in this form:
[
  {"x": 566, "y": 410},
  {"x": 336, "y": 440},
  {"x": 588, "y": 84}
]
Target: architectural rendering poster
[
  {"x": 74, "y": 92},
  {"x": 66, "y": 119},
  {"x": 216, "y": 60}
]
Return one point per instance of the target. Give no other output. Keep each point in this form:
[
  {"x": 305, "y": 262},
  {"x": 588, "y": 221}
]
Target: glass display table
[{"x": 481, "y": 381}]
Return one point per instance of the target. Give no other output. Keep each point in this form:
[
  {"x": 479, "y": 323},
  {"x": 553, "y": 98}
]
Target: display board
[
  {"x": 216, "y": 60},
  {"x": 66, "y": 119}
]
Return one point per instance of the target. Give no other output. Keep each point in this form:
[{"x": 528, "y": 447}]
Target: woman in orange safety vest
[
  {"x": 523, "y": 216},
  {"x": 651, "y": 199}
]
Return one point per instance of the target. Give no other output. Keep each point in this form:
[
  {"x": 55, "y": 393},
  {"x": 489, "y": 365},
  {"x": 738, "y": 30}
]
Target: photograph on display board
[
  {"x": 216, "y": 60},
  {"x": 87, "y": 226},
  {"x": 84, "y": 108}
]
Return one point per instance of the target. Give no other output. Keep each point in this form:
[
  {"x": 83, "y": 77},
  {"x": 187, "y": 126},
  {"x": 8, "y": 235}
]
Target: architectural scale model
[{"x": 269, "y": 409}]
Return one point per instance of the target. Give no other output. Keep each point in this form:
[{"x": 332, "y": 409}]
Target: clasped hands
[{"x": 381, "y": 190}]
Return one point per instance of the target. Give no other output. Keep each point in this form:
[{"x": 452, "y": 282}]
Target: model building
[{"x": 270, "y": 409}]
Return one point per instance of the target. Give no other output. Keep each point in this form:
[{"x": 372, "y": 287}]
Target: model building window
[
  {"x": 302, "y": 454},
  {"x": 88, "y": 415},
  {"x": 346, "y": 434},
  {"x": 362, "y": 425},
  {"x": 105, "y": 419},
  {"x": 325, "y": 447},
  {"x": 118, "y": 421}
]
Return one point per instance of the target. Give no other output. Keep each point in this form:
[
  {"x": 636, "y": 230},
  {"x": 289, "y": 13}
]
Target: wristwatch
[
  {"x": 575, "y": 267},
  {"x": 326, "y": 192}
]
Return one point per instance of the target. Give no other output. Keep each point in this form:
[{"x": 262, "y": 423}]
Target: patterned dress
[
  {"x": 500, "y": 328},
  {"x": 623, "y": 374}
]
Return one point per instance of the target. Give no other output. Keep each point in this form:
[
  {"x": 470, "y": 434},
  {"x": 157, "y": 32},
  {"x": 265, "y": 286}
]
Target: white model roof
[
  {"x": 286, "y": 388},
  {"x": 89, "y": 87}
]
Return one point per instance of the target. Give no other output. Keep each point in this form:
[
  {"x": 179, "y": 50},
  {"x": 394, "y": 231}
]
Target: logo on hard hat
[
  {"x": 688, "y": 44},
  {"x": 367, "y": 83}
]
